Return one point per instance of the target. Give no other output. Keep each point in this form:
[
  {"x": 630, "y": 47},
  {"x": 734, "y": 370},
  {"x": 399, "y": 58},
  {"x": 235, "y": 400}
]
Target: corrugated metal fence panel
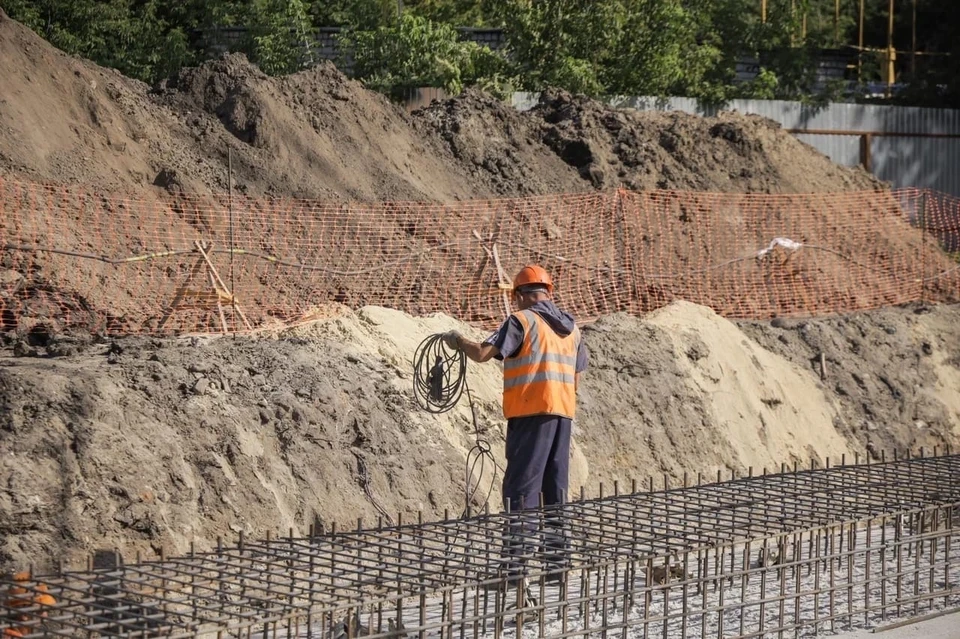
[
  {"x": 902, "y": 160},
  {"x": 842, "y": 149},
  {"x": 922, "y": 162}
]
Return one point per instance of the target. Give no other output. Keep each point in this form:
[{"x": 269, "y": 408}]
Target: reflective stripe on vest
[{"x": 541, "y": 378}]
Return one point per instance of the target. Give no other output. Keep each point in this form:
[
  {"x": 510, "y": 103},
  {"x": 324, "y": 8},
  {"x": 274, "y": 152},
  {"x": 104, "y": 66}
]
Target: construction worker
[
  {"x": 543, "y": 355},
  {"x": 22, "y": 597}
]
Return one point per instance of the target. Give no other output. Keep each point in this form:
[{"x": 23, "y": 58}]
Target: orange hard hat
[{"x": 533, "y": 275}]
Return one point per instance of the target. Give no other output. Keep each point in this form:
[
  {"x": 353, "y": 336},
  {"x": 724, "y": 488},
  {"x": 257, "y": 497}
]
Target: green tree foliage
[
  {"x": 597, "y": 47},
  {"x": 786, "y": 57},
  {"x": 461, "y": 13},
  {"x": 152, "y": 39},
  {"x": 140, "y": 39},
  {"x": 281, "y": 36},
  {"x": 786, "y": 45},
  {"x": 415, "y": 51},
  {"x": 648, "y": 47},
  {"x": 659, "y": 49},
  {"x": 362, "y": 15},
  {"x": 557, "y": 42},
  {"x": 932, "y": 80}
]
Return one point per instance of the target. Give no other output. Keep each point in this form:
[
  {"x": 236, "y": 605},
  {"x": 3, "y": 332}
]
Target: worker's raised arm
[{"x": 477, "y": 352}]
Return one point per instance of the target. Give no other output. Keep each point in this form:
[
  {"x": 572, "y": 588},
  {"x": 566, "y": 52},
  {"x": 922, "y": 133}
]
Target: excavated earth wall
[{"x": 142, "y": 443}]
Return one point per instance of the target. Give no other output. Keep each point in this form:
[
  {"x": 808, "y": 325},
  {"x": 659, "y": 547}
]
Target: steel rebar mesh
[{"x": 649, "y": 563}]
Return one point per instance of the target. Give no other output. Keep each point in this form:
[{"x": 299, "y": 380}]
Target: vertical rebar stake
[{"x": 233, "y": 283}]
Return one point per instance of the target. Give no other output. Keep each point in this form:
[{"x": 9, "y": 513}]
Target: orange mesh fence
[
  {"x": 757, "y": 256},
  {"x": 72, "y": 258}
]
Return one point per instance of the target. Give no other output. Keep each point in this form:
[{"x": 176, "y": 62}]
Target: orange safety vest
[
  {"x": 541, "y": 378},
  {"x": 21, "y": 597}
]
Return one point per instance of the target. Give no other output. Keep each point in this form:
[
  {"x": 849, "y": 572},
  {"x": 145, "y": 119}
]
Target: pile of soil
[
  {"x": 317, "y": 134},
  {"x": 893, "y": 373},
  {"x": 146, "y": 444},
  {"x": 638, "y": 150}
]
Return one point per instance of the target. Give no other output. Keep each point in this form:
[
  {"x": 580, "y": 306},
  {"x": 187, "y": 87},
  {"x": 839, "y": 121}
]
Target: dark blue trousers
[{"x": 538, "y": 462}]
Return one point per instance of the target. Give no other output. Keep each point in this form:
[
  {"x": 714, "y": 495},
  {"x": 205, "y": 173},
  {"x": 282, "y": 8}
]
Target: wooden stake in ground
[
  {"x": 204, "y": 299},
  {"x": 503, "y": 282}
]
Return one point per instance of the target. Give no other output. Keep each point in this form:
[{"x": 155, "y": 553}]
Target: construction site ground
[
  {"x": 938, "y": 627},
  {"x": 147, "y": 443},
  {"x": 144, "y": 443}
]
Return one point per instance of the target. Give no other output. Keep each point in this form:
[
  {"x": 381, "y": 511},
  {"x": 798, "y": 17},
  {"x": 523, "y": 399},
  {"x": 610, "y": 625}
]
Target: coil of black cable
[
  {"x": 439, "y": 375},
  {"x": 439, "y": 380}
]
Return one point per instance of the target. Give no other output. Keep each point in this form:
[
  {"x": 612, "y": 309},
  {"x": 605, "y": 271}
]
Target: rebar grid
[{"x": 447, "y": 579}]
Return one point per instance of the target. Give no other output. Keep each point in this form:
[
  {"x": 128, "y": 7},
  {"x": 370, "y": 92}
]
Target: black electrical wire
[
  {"x": 439, "y": 381},
  {"x": 439, "y": 375}
]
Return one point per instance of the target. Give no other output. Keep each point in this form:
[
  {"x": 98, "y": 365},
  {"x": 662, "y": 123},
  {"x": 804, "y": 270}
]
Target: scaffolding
[
  {"x": 801, "y": 551},
  {"x": 885, "y": 55}
]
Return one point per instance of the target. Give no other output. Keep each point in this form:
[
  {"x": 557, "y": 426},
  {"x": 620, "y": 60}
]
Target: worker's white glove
[{"x": 452, "y": 339}]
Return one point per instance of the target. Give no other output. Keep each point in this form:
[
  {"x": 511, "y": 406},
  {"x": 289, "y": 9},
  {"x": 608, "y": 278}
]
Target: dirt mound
[
  {"x": 149, "y": 443},
  {"x": 893, "y": 373},
  {"x": 499, "y": 146},
  {"x": 609, "y": 147},
  {"x": 168, "y": 441},
  {"x": 317, "y": 134},
  {"x": 67, "y": 120},
  {"x": 645, "y": 150},
  {"x": 312, "y": 134},
  {"x": 746, "y": 390}
]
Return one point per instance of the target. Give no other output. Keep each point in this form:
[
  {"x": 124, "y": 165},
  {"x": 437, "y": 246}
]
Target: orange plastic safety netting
[{"x": 79, "y": 259}]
